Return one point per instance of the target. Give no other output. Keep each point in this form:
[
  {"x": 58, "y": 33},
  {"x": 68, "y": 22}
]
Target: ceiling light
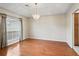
[{"x": 36, "y": 16}]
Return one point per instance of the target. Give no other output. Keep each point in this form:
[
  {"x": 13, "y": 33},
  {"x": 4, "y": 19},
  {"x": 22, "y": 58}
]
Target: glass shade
[{"x": 36, "y": 16}]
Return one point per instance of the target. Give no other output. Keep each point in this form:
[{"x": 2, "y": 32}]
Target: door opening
[{"x": 76, "y": 29}]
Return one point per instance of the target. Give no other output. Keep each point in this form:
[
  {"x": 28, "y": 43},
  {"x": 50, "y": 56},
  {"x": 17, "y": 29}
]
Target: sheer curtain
[{"x": 3, "y": 41}]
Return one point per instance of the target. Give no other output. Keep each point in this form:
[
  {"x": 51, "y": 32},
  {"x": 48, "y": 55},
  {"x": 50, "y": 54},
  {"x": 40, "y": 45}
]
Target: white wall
[
  {"x": 25, "y": 28},
  {"x": 49, "y": 27},
  {"x": 25, "y": 21},
  {"x": 70, "y": 25}
]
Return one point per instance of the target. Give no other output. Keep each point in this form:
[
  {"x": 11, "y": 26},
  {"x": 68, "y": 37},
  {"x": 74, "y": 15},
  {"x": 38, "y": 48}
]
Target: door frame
[{"x": 75, "y": 18}]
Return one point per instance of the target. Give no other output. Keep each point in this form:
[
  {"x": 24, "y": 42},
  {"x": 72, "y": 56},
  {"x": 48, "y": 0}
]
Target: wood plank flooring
[{"x": 33, "y": 47}]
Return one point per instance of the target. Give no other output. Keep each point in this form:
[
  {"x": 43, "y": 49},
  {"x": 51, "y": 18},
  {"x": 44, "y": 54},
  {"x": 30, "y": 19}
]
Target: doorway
[
  {"x": 76, "y": 31},
  {"x": 13, "y": 30}
]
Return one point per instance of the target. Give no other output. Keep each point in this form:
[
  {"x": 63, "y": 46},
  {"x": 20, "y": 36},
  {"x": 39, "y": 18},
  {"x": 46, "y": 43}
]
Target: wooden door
[{"x": 76, "y": 26}]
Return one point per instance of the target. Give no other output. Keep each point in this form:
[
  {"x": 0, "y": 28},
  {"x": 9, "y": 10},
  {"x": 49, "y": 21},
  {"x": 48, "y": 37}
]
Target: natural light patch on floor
[{"x": 14, "y": 51}]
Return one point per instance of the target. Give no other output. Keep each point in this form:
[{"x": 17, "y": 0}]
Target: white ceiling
[{"x": 43, "y": 8}]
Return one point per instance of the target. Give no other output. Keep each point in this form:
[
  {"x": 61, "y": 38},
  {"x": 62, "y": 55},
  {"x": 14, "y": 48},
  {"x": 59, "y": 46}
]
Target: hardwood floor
[{"x": 33, "y": 47}]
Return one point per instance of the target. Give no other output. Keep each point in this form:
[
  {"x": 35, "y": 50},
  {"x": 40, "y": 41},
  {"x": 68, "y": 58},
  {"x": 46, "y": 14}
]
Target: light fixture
[{"x": 36, "y": 16}]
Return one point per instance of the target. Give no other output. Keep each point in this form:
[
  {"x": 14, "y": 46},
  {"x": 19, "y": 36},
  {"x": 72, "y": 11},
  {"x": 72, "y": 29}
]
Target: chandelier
[{"x": 36, "y": 16}]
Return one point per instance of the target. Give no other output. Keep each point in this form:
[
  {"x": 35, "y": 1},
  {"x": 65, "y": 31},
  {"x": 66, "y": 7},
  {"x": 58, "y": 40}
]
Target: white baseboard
[
  {"x": 48, "y": 39},
  {"x": 76, "y": 49}
]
